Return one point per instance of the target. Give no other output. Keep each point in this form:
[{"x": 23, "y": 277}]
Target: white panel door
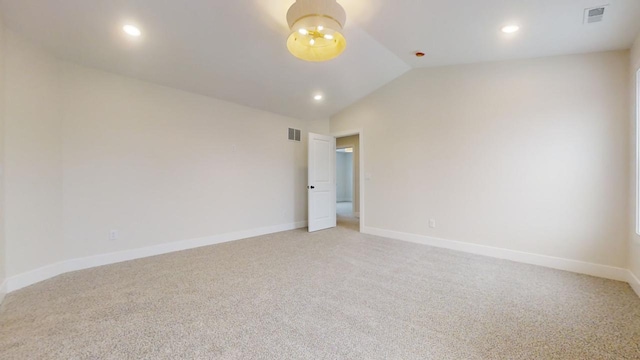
[{"x": 322, "y": 182}]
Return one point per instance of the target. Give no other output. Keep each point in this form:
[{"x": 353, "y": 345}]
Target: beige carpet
[{"x": 335, "y": 294}]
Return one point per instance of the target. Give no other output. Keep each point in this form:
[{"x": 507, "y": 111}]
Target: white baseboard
[
  {"x": 46, "y": 272},
  {"x": 604, "y": 271},
  {"x": 634, "y": 282},
  {"x": 3, "y": 291},
  {"x": 22, "y": 280}
]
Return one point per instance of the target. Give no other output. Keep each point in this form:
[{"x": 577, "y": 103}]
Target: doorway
[
  {"x": 344, "y": 181},
  {"x": 348, "y": 181}
]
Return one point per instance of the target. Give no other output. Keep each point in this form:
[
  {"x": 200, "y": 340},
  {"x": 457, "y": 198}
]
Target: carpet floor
[{"x": 335, "y": 294}]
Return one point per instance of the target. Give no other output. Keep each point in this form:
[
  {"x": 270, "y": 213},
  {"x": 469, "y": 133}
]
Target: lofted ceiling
[
  {"x": 468, "y": 31},
  {"x": 236, "y": 49}
]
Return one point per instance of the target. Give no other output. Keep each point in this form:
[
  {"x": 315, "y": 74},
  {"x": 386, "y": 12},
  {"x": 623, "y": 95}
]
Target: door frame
[{"x": 360, "y": 133}]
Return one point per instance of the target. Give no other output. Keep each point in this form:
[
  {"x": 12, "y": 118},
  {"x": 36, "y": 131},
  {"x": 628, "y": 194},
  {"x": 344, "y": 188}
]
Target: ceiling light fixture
[
  {"x": 510, "y": 29},
  {"x": 317, "y": 97},
  {"x": 316, "y": 27},
  {"x": 132, "y": 30}
]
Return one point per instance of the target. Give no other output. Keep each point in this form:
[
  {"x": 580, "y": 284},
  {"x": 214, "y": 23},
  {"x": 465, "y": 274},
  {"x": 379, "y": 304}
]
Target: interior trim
[
  {"x": 634, "y": 282},
  {"x": 576, "y": 266},
  {"x": 46, "y": 272},
  {"x": 3, "y": 291}
]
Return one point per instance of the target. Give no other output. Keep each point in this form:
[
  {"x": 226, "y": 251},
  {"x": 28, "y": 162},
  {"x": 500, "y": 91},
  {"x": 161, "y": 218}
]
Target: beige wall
[
  {"x": 354, "y": 141},
  {"x": 162, "y": 165},
  {"x": 525, "y": 155},
  {"x": 33, "y": 156},
  {"x": 634, "y": 253},
  {"x": 88, "y": 151},
  {"x": 2, "y": 196}
]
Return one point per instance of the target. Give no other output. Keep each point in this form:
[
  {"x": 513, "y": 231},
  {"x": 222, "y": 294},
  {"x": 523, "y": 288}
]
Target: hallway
[{"x": 346, "y": 218}]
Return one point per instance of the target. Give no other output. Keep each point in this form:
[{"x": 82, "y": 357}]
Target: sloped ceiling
[{"x": 236, "y": 50}]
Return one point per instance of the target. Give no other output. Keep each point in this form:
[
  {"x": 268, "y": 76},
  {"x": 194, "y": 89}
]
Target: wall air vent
[
  {"x": 294, "y": 134},
  {"x": 594, "y": 15}
]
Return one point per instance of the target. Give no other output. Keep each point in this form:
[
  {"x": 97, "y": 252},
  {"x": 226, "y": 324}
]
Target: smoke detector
[{"x": 594, "y": 14}]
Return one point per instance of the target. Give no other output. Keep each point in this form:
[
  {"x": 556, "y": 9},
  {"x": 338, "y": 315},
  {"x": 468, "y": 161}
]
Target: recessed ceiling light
[
  {"x": 132, "y": 30},
  {"x": 317, "y": 97},
  {"x": 510, "y": 29}
]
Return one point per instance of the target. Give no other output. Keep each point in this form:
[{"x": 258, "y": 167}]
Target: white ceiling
[
  {"x": 236, "y": 49},
  {"x": 468, "y": 31}
]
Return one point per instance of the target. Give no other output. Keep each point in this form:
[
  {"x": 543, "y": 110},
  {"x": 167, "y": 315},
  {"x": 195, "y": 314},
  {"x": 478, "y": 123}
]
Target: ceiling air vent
[
  {"x": 594, "y": 15},
  {"x": 294, "y": 134}
]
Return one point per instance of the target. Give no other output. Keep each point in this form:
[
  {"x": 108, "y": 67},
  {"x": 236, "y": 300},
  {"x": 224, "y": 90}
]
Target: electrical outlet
[
  {"x": 432, "y": 223},
  {"x": 113, "y": 235}
]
